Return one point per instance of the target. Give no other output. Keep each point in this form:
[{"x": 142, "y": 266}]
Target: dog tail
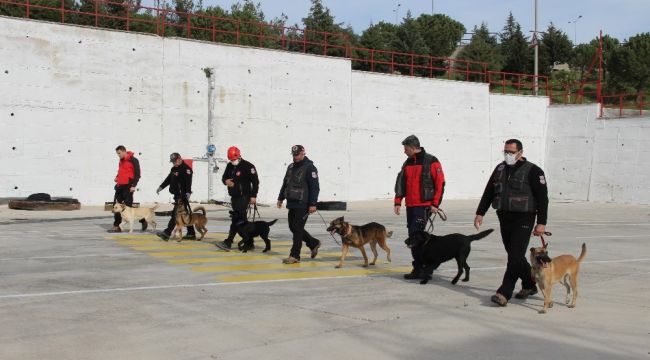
[
  {"x": 480, "y": 235},
  {"x": 389, "y": 233},
  {"x": 583, "y": 253},
  {"x": 201, "y": 209},
  {"x": 270, "y": 223}
]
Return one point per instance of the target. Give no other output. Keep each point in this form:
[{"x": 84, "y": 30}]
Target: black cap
[
  {"x": 411, "y": 140},
  {"x": 174, "y": 156},
  {"x": 296, "y": 149}
]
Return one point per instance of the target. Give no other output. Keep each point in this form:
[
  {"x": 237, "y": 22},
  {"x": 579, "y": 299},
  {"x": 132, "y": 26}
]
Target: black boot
[
  {"x": 413, "y": 275},
  {"x": 163, "y": 235},
  {"x": 144, "y": 224}
]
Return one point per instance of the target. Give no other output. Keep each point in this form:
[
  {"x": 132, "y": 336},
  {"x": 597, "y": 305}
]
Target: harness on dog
[{"x": 325, "y": 223}]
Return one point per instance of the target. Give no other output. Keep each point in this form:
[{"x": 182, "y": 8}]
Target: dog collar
[{"x": 349, "y": 232}]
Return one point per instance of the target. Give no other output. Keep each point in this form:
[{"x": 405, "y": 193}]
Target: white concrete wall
[
  {"x": 591, "y": 159},
  {"x": 87, "y": 90}
]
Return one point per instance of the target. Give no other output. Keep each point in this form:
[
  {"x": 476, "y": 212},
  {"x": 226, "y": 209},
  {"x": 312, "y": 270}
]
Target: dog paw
[
  {"x": 542, "y": 311},
  {"x": 365, "y": 265},
  {"x": 338, "y": 266},
  {"x": 550, "y": 305},
  {"x": 571, "y": 306}
]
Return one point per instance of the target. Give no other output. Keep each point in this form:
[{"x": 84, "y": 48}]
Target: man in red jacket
[
  {"x": 422, "y": 182},
  {"x": 128, "y": 175}
]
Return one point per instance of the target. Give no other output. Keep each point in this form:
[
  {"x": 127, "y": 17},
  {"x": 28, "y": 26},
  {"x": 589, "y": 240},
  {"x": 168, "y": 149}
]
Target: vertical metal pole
[
  {"x": 211, "y": 82},
  {"x": 432, "y": 12},
  {"x": 536, "y": 81}
]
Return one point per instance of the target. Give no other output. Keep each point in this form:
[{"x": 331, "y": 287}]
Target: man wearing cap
[
  {"x": 300, "y": 188},
  {"x": 422, "y": 182},
  {"x": 179, "y": 181},
  {"x": 240, "y": 176},
  {"x": 128, "y": 175}
]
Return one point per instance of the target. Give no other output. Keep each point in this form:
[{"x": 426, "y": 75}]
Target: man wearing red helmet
[{"x": 240, "y": 176}]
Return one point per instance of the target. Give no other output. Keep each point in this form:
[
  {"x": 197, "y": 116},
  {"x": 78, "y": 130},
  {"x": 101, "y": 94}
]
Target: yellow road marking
[
  {"x": 244, "y": 257},
  {"x": 182, "y": 253},
  {"x": 310, "y": 274},
  {"x": 273, "y": 266},
  {"x": 174, "y": 247}
]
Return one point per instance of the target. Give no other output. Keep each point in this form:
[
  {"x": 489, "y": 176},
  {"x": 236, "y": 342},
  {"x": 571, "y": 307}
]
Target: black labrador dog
[
  {"x": 439, "y": 249},
  {"x": 250, "y": 230}
]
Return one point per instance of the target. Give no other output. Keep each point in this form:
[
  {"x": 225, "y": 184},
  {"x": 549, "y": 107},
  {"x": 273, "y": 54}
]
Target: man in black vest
[
  {"x": 422, "y": 183},
  {"x": 517, "y": 190},
  {"x": 179, "y": 181},
  {"x": 240, "y": 176},
  {"x": 300, "y": 188}
]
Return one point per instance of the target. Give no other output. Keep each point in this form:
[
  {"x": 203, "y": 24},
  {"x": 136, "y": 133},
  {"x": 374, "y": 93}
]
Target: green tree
[
  {"x": 323, "y": 34},
  {"x": 554, "y": 47},
  {"x": 379, "y": 36},
  {"x": 516, "y": 53},
  {"x": 482, "y": 48},
  {"x": 630, "y": 64},
  {"x": 409, "y": 40},
  {"x": 441, "y": 34}
]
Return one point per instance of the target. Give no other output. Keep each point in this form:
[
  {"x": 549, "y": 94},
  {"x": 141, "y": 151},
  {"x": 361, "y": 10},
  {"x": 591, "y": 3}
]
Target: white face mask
[
  {"x": 235, "y": 162},
  {"x": 510, "y": 159}
]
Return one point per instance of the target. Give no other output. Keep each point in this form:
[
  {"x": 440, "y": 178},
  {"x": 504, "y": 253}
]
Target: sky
[{"x": 618, "y": 18}]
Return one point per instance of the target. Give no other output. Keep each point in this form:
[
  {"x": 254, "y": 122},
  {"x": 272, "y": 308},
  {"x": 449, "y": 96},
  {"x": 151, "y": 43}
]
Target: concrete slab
[{"x": 69, "y": 290}]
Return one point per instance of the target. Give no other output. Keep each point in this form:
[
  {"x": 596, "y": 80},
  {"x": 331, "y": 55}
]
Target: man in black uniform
[
  {"x": 517, "y": 190},
  {"x": 180, "y": 185},
  {"x": 300, "y": 187},
  {"x": 242, "y": 181}
]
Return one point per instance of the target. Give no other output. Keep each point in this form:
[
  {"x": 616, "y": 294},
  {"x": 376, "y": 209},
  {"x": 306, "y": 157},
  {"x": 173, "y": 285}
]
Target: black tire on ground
[
  {"x": 332, "y": 205},
  {"x": 39, "y": 197}
]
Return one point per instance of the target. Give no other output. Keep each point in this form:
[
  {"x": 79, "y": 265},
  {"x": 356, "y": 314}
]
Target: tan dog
[
  {"x": 358, "y": 236},
  {"x": 131, "y": 214},
  {"x": 547, "y": 272},
  {"x": 183, "y": 219}
]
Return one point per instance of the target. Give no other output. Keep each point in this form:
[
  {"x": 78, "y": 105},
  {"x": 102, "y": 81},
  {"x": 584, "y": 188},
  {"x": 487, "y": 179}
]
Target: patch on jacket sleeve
[
  {"x": 314, "y": 175},
  {"x": 189, "y": 172},
  {"x": 542, "y": 180},
  {"x": 253, "y": 171}
]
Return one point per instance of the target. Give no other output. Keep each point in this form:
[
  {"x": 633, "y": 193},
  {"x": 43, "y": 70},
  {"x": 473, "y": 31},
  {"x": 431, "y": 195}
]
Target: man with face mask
[
  {"x": 240, "y": 176},
  {"x": 517, "y": 190},
  {"x": 300, "y": 188}
]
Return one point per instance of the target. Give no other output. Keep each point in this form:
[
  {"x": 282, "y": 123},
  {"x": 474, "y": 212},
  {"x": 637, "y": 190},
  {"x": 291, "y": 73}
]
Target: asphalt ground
[{"x": 69, "y": 290}]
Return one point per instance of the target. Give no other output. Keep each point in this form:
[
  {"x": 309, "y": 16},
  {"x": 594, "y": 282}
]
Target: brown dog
[
  {"x": 183, "y": 219},
  {"x": 547, "y": 272},
  {"x": 358, "y": 236}
]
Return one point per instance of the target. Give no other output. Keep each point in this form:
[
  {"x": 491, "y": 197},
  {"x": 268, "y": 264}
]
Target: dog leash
[
  {"x": 325, "y": 223},
  {"x": 544, "y": 243},
  {"x": 253, "y": 209},
  {"x": 443, "y": 217}
]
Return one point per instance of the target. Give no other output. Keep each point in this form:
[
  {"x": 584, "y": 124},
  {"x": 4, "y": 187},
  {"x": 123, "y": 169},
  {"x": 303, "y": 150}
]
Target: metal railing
[{"x": 624, "y": 105}]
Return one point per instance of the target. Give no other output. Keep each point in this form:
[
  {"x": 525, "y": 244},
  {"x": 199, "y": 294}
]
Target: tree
[
  {"x": 441, "y": 33},
  {"x": 554, "y": 47},
  {"x": 409, "y": 40},
  {"x": 381, "y": 36},
  {"x": 630, "y": 64},
  {"x": 482, "y": 48},
  {"x": 515, "y": 51},
  {"x": 323, "y": 35}
]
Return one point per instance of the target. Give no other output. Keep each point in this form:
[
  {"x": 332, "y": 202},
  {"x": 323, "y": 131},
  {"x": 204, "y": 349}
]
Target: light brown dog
[
  {"x": 131, "y": 214},
  {"x": 184, "y": 219},
  {"x": 547, "y": 272},
  {"x": 358, "y": 236}
]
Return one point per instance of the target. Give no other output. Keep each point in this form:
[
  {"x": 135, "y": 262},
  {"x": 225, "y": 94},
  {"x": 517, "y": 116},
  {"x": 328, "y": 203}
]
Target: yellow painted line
[
  {"x": 180, "y": 246},
  {"x": 182, "y": 253},
  {"x": 311, "y": 274},
  {"x": 274, "y": 266},
  {"x": 245, "y": 257}
]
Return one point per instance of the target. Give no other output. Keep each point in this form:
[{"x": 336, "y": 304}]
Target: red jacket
[
  {"x": 410, "y": 180},
  {"x": 128, "y": 171}
]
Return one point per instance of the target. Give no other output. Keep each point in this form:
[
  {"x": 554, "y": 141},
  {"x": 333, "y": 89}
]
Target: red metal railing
[
  {"x": 520, "y": 84},
  {"x": 621, "y": 105}
]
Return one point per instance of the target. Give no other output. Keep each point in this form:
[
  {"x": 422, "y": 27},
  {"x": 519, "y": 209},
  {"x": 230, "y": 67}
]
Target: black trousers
[
  {"x": 297, "y": 221},
  {"x": 516, "y": 229},
  {"x": 239, "y": 205},
  {"x": 416, "y": 220},
  {"x": 123, "y": 196},
  {"x": 172, "y": 222}
]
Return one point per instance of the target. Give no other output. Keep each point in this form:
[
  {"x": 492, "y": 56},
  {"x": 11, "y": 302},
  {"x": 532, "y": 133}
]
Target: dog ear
[
  {"x": 532, "y": 249},
  {"x": 545, "y": 246}
]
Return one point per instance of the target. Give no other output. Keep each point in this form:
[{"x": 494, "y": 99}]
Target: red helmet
[{"x": 233, "y": 153}]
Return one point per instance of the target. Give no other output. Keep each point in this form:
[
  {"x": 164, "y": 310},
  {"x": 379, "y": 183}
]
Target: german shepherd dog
[
  {"x": 439, "y": 249},
  {"x": 547, "y": 272},
  {"x": 358, "y": 236},
  {"x": 250, "y": 230},
  {"x": 184, "y": 219}
]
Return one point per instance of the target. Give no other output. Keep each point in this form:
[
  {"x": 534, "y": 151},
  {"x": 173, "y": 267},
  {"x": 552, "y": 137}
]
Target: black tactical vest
[
  {"x": 427, "y": 187},
  {"x": 297, "y": 187},
  {"x": 513, "y": 193}
]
